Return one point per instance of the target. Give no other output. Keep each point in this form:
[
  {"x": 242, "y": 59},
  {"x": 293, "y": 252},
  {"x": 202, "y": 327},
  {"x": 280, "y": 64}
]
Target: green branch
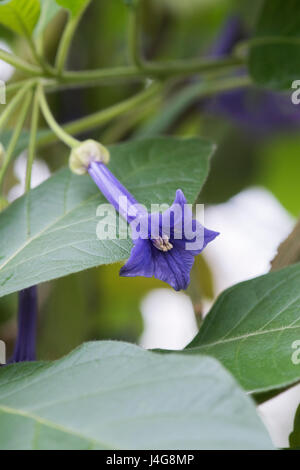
[
  {"x": 163, "y": 70},
  {"x": 97, "y": 119},
  {"x": 52, "y": 123},
  {"x": 65, "y": 43},
  {"x": 32, "y": 140},
  {"x": 102, "y": 117},
  {"x": 8, "y": 110},
  {"x": 20, "y": 64},
  {"x": 66, "y": 40},
  {"x": 133, "y": 36},
  {"x": 15, "y": 137}
]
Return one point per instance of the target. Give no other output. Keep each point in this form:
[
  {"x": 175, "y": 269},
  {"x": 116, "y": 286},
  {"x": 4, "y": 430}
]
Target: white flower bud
[{"x": 85, "y": 153}]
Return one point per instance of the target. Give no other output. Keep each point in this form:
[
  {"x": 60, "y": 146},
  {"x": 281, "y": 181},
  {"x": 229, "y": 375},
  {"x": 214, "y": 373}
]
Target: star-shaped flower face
[{"x": 165, "y": 244}]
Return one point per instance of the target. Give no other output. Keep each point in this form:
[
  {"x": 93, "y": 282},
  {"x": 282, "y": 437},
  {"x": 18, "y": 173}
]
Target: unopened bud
[{"x": 86, "y": 153}]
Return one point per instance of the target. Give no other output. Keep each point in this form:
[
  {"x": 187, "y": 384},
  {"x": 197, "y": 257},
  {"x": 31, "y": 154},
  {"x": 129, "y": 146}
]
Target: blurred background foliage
[{"x": 97, "y": 304}]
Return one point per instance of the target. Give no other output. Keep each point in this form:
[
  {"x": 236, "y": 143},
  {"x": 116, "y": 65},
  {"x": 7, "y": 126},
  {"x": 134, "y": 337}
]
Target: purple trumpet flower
[
  {"x": 232, "y": 32},
  {"x": 165, "y": 244},
  {"x": 27, "y": 316},
  {"x": 260, "y": 111}
]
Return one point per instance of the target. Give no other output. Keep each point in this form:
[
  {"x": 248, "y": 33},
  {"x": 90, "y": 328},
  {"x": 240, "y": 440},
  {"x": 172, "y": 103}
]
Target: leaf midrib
[
  {"x": 214, "y": 315},
  {"x": 242, "y": 337},
  {"x": 52, "y": 224},
  {"x": 52, "y": 425}
]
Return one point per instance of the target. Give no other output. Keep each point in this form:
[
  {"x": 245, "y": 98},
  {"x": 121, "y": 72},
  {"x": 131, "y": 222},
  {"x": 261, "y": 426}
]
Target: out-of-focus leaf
[
  {"x": 251, "y": 329},
  {"x": 20, "y": 16},
  {"x": 49, "y": 8},
  {"x": 295, "y": 435},
  {"x": 275, "y": 60},
  {"x": 201, "y": 286},
  {"x": 51, "y": 231},
  {"x": 89, "y": 302},
  {"x": 113, "y": 395},
  {"x": 289, "y": 250},
  {"x": 65, "y": 316},
  {"x": 23, "y": 140},
  {"x": 279, "y": 170},
  {"x": 21, "y": 144},
  {"x": 75, "y": 6}
]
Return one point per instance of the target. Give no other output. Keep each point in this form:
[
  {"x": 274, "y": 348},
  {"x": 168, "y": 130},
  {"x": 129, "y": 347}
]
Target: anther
[{"x": 163, "y": 243}]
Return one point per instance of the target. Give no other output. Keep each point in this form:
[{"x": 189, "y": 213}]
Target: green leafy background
[{"x": 251, "y": 326}]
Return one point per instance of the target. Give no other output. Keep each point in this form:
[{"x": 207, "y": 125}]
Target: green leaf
[
  {"x": 274, "y": 58},
  {"x": 21, "y": 144},
  {"x": 49, "y": 9},
  {"x": 20, "y": 16},
  {"x": 51, "y": 232},
  {"x": 295, "y": 435},
  {"x": 113, "y": 395},
  {"x": 75, "y": 6},
  {"x": 252, "y": 328}
]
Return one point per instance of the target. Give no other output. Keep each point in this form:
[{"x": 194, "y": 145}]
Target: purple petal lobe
[
  {"x": 174, "y": 267},
  {"x": 140, "y": 261}
]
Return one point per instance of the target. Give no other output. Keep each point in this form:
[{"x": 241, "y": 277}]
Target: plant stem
[
  {"x": 16, "y": 86},
  {"x": 14, "y": 102},
  {"x": 32, "y": 140},
  {"x": 102, "y": 117},
  {"x": 15, "y": 137},
  {"x": 149, "y": 70},
  {"x": 46, "y": 68},
  {"x": 133, "y": 36},
  {"x": 125, "y": 73},
  {"x": 66, "y": 41},
  {"x": 20, "y": 64},
  {"x": 53, "y": 124},
  {"x": 64, "y": 45},
  {"x": 243, "y": 47},
  {"x": 128, "y": 121},
  {"x": 49, "y": 83},
  {"x": 97, "y": 119},
  {"x": 185, "y": 98}
]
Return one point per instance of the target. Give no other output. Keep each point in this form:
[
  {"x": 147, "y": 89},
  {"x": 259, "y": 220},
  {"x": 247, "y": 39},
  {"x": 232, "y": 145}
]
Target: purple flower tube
[{"x": 25, "y": 348}]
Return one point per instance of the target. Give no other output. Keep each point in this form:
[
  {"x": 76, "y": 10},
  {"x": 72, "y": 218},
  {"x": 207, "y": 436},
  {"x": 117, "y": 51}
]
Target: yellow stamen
[{"x": 163, "y": 243}]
